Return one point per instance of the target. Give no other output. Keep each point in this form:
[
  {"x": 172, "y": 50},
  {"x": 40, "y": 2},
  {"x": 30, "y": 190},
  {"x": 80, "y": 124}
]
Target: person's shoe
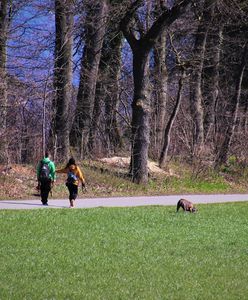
[
  {"x": 71, "y": 203},
  {"x": 46, "y": 204}
]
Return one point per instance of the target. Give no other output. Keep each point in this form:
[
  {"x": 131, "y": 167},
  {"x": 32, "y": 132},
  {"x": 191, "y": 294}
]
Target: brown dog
[{"x": 186, "y": 205}]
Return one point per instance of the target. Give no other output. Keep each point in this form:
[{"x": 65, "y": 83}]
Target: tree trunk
[
  {"x": 160, "y": 74},
  {"x": 196, "y": 87},
  {"x": 222, "y": 156},
  {"x": 141, "y": 99},
  {"x": 140, "y": 118},
  {"x": 245, "y": 118},
  {"x": 167, "y": 132},
  {"x": 212, "y": 81},
  {"x": 62, "y": 76},
  {"x": 107, "y": 92},
  {"x": 95, "y": 26},
  {"x": 160, "y": 95},
  {"x": 3, "y": 79},
  {"x": 112, "y": 101}
]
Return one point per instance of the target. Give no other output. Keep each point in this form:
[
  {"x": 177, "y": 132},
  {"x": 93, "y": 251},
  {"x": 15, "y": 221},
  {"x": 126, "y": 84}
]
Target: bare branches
[
  {"x": 165, "y": 20},
  {"x": 126, "y": 22},
  {"x": 148, "y": 40}
]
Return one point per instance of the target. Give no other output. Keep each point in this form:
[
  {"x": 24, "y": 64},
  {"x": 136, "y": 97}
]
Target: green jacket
[{"x": 51, "y": 166}]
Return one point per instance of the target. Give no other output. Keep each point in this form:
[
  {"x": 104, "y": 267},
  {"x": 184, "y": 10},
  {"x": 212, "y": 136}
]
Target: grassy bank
[{"x": 125, "y": 253}]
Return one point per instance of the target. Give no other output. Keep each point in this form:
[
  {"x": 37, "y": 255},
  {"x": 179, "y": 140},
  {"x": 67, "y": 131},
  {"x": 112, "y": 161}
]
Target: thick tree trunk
[
  {"x": 140, "y": 118},
  {"x": 222, "y": 155},
  {"x": 107, "y": 93},
  {"x": 95, "y": 26},
  {"x": 62, "y": 76},
  {"x": 141, "y": 100},
  {"x": 196, "y": 87},
  {"x": 158, "y": 103},
  {"x": 167, "y": 132},
  {"x": 3, "y": 79},
  {"x": 160, "y": 91}
]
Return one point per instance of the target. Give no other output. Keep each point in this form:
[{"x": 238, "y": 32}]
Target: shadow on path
[{"x": 32, "y": 204}]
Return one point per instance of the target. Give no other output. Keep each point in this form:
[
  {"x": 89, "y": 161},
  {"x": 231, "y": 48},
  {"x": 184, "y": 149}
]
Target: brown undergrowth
[{"x": 109, "y": 177}]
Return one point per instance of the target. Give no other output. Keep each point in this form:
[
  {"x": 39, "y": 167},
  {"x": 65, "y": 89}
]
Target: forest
[{"x": 157, "y": 79}]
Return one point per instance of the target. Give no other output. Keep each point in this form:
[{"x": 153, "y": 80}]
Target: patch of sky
[
  {"x": 127, "y": 61},
  {"x": 31, "y": 41}
]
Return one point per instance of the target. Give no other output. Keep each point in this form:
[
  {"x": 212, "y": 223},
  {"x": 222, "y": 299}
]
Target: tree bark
[
  {"x": 141, "y": 100},
  {"x": 107, "y": 92},
  {"x": 212, "y": 81},
  {"x": 95, "y": 26},
  {"x": 159, "y": 101},
  {"x": 167, "y": 132},
  {"x": 196, "y": 87},
  {"x": 62, "y": 76},
  {"x": 160, "y": 95},
  {"x": 3, "y": 79},
  {"x": 140, "y": 118},
  {"x": 222, "y": 155}
]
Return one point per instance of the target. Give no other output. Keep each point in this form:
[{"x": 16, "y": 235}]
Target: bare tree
[
  {"x": 222, "y": 156},
  {"x": 167, "y": 131},
  {"x": 4, "y": 20},
  {"x": 95, "y": 25},
  {"x": 212, "y": 78},
  {"x": 198, "y": 63},
  {"x": 104, "y": 120},
  {"x": 180, "y": 65},
  {"x": 141, "y": 100},
  {"x": 160, "y": 87},
  {"x": 62, "y": 76}
]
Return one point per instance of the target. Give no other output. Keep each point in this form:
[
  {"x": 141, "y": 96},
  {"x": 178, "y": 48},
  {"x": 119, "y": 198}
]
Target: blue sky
[{"x": 31, "y": 43}]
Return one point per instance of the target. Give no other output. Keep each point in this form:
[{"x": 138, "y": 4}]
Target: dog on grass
[{"x": 186, "y": 205}]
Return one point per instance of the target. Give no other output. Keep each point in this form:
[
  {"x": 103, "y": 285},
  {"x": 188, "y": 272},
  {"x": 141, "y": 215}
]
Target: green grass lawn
[{"x": 125, "y": 253}]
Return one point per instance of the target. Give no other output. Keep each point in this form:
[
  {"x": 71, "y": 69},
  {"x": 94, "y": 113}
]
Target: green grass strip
[{"x": 125, "y": 253}]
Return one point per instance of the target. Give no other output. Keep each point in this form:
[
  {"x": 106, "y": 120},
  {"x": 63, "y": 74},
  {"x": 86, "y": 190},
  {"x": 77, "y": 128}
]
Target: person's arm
[
  {"x": 63, "y": 170},
  {"x": 80, "y": 175},
  {"x": 81, "y": 178}
]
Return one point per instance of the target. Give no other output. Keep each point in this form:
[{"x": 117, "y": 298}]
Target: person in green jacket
[{"x": 45, "y": 177}]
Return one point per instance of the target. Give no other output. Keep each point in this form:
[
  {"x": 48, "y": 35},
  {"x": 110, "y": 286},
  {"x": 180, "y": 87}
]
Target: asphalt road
[{"x": 122, "y": 201}]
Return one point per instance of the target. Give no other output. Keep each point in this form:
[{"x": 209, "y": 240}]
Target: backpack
[
  {"x": 44, "y": 172},
  {"x": 71, "y": 178}
]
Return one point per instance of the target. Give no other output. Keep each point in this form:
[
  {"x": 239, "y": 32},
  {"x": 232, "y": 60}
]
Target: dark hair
[
  {"x": 47, "y": 154},
  {"x": 71, "y": 162}
]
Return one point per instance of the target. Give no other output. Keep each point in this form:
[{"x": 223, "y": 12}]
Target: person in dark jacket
[
  {"x": 74, "y": 175},
  {"x": 45, "y": 177}
]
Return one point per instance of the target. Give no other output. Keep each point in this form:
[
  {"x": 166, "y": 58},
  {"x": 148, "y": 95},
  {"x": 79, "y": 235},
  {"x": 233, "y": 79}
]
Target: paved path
[{"x": 122, "y": 201}]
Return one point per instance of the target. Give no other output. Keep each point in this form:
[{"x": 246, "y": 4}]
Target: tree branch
[
  {"x": 125, "y": 23},
  {"x": 166, "y": 19}
]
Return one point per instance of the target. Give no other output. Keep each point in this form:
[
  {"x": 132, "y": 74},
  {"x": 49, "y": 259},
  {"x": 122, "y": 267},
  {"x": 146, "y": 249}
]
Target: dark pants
[
  {"x": 45, "y": 188},
  {"x": 73, "y": 191}
]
